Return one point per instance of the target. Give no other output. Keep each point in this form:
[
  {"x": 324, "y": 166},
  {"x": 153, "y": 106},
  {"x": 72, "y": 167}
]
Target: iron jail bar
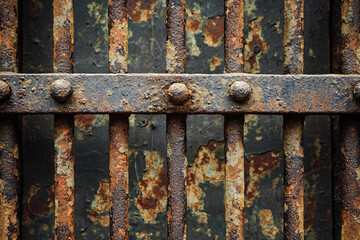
[{"x": 179, "y": 94}]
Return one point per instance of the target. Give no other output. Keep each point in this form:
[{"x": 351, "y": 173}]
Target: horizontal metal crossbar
[{"x": 210, "y": 94}]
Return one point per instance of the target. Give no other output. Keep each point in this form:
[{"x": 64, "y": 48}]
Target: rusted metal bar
[
  {"x": 118, "y": 36},
  {"x": 63, "y": 31},
  {"x": 293, "y": 124},
  {"x": 177, "y": 162},
  {"x": 234, "y": 36},
  {"x": 234, "y": 125},
  {"x": 176, "y": 124},
  {"x": 349, "y": 125},
  {"x": 175, "y": 29},
  {"x": 118, "y": 125},
  {"x": 9, "y": 146},
  {"x": 119, "y": 178},
  {"x": 235, "y": 178},
  {"x": 9, "y": 178},
  {"x": 64, "y": 176},
  {"x": 148, "y": 93}
]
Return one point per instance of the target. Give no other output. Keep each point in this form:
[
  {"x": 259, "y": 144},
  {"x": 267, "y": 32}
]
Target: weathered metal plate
[{"x": 147, "y": 93}]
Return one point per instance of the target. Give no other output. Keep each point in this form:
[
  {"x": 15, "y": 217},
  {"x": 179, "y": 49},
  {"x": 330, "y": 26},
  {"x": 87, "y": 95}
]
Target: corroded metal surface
[
  {"x": 147, "y": 93},
  {"x": 235, "y": 178},
  {"x": 119, "y": 178},
  {"x": 176, "y": 124},
  {"x": 350, "y": 42},
  {"x": 350, "y": 164},
  {"x": 234, "y": 36},
  {"x": 293, "y": 125},
  {"x": 63, "y": 32},
  {"x": 9, "y": 178},
  {"x": 175, "y": 28},
  {"x": 9, "y": 147},
  {"x": 294, "y": 36},
  {"x": 63, "y": 61},
  {"x": 118, "y": 36},
  {"x": 294, "y": 176},
  {"x": 349, "y": 127},
  {"x": 64, "y": 176},
  {"x": 177, "y": 163},
  {"x": 9, "y": 35}
]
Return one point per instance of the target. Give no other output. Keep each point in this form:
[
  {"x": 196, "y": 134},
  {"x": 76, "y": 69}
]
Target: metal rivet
[
  {"x": 5, "y": 91},
  {"x": 240, "y": 91},
  {"x": 357, "y": 92},
  {"x": 178, "y": 93},
  {"x": 61, "y": 90}
]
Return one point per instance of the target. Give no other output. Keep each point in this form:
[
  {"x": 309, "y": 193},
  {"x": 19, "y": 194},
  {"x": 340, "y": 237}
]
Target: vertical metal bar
[
  {"x": 234, "y": 125},
  {"x": 349, "y": 125},
  {"x": 293, "y": 124},
  {"x": 176, "y": 124},
  {"x": 63, "y": 31},
  {"x": 119, "y": 125},
  {"x": 9, "y": 148}
]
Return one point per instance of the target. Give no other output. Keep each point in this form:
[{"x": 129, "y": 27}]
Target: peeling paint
[
  {"x": 99, "y": 208},
  {"x": 267, "y": 223},
  {"x": 142, "y": 10},
  {"x": 153, "y": 196}
]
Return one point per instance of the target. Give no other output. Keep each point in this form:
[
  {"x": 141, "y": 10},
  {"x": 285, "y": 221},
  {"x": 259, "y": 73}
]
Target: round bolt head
[
  {"x": 178, "y": 93},
  {"x": 357, "y": 92},
  {"x": 240, "y": 91},
  {"x": 5, "y": 91},
  {"x": 61, "y": 90}
]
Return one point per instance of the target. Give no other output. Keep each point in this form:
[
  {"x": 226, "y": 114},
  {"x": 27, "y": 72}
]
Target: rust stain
[
  {"x": 99, "y": 208},
  {"x": 119, "y": 176},
  {"x": 152, "y": 200},
  {"x": 144, "y": 236},
  {"x": 214, "y": 31},
  {"x": 84, "y": 121},
  {"x": 267, "y": 223},
  {"x": 260, "y": 166},
  {"x": 193, "y": 25},
  {"x": 214, "y": 62},
  {"x": 118, "y": 36},
  {"x": 142, "y": 10},
  {"x": 255, "y": 46},
  {"x": 206, "y": 168},
  {"x": 34, "y": 206}
]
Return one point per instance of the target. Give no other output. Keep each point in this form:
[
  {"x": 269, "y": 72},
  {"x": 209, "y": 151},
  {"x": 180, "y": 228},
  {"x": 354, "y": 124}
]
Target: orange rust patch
[
  {"x": 267, "y": 223},
  {"x": 257, "y": 168},
  {"x": 193, "y": 25},
  {"x": 214, "y": 62},
  {"x": 255, "y": 46},
  {"x": 84, "y": 121},
  {"x": 214, "y": 31},
  {"x": 99, "y": 212},
  {"x": 141, "y": 10},
  {"x": 153, "y": 188},
  {"x": 34, "y": 206},
  {"x": 207, "y": 167}
]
